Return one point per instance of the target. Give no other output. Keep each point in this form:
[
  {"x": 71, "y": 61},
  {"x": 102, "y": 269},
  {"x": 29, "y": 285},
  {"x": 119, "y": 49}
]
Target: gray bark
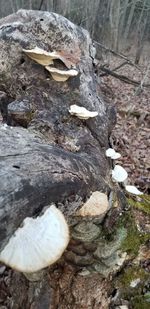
[
  {"x": 48, "y": 156},
  {"x": 114, "y": 22},
  {"x": 130, "y": 17},
  {"x": 70, "y": 160}
]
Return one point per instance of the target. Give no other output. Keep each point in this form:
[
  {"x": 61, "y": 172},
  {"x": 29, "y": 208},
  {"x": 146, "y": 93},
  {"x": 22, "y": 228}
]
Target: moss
[
  {"x": 134, "y": 239},
  {"x": 139, "y": 302},
  {"x": 134, "y": 295},
  {"x": 30, "y": 116},
  {"x": 131, "y": 274},
  {"x": 142, "y": 203}
]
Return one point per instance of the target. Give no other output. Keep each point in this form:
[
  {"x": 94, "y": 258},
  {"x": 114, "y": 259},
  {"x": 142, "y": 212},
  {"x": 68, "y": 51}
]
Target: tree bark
[
  {"x": 114, "y": 22},
  {"x": 48, "y": 156},
  {"x": 129, "y": 21}
]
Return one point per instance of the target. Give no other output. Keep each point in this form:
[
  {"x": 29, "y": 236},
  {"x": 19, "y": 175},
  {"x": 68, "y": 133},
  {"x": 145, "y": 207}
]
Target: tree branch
[
  {"x": 115, "y": 69},
  {"x": 123, "y": 78},
  {"x": 117, "y": 54}
]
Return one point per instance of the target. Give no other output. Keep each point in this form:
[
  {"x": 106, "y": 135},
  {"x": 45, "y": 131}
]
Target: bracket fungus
[
  {"x": 81, "y": 112},
  {"x": 38, "y": 244},
  {"x": 111, "y": 153},
  {"x": 133, "y": 190},
  {"x": 61, "y": 75},
  {"x": 96, "y": 205},
  {"x": 119, "y": 174},
  {"x": 44, "y": 58}
]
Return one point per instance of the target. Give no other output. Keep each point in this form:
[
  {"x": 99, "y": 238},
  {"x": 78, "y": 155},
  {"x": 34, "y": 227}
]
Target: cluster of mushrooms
[
  {"x": 46, "y": 59},
  {"x": 46, "y": 237}
]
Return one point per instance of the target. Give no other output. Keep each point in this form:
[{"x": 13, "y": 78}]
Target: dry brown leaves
[{"x": 131, "y": 135}]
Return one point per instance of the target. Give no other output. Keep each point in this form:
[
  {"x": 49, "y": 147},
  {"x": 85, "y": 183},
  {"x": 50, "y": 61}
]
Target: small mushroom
[
  {"x": 44, "y": 58},
  {"x": 39, "y": 55},
  {"x": 119, "y": 174},
  {"x": 61, "y": 75},
  {"x": 111, "y": 153},
  {"x": 133, "y": 190},
  {"x": 39, "y": 243},
  {"x": 81, "y": 112}
]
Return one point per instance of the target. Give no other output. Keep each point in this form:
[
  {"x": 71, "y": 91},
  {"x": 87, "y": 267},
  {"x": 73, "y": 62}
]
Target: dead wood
[
  {"x": 120, "y": 55},
  {"x": 123, "y": 78}
]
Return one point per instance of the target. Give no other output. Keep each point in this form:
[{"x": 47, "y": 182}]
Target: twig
[
  {"x": 145, "y": 76},
  {"x": 115, "y": 69},
  {"x": 117, "y": 54},
  {"x": 123, "y": 78},
  {"x": 140, "y": 88}
]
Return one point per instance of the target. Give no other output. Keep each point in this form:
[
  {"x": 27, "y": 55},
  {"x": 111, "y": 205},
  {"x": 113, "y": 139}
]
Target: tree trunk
[
  {"x": 49, "y": 156},
  {"x": 129, "y": 21},
  {"x": 122, "y": 21},
  {"x": 114, "y": 23},
  {"x": 140, "y": 33}
]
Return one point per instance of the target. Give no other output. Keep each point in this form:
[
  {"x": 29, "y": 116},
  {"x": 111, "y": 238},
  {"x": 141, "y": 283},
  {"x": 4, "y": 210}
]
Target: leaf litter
[{"x": 131, "y": 134}]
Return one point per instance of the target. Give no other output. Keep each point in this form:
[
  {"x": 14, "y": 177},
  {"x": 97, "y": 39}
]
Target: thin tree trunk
[
  {"x": 122, "y": 21},
  {"x": 129, "y": 21},
  {"x": 141, "y": 41},
  {"x": 114, "y": 22},
  {"x": 12, "y": 6},
  {"x": 30, "y": 4}
]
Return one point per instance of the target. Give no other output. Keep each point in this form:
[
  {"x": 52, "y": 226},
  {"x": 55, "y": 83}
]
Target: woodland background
[
  {"x": 120, "y": 30},
  {"x": 117, "y": 23}
]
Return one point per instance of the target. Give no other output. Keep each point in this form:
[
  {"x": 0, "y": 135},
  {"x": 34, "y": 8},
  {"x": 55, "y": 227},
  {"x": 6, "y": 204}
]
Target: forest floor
[{"x": 131, "y": 135}]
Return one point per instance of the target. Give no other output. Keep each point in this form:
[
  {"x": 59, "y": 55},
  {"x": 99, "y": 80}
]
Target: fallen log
[{"x": 49, "y": 155}]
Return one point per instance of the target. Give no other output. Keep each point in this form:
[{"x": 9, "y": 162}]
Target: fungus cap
[
  {"x": 119, "y": 174},
  {"x": 133, "y": 190},
  {"x": 81, "y": 112},
  {"x": 111, "y": 153},
  {"x": 61, "y": 75},
  {"x": 38, "y": 244},
  {"x": 96, "y": 205},
  {"x": 44, "y": 58}
]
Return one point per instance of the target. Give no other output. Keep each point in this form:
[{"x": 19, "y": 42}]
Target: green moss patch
[
  {"x": 134, "y": 238},
  {"x": 142, "y": 203},
  {"x": 139, "y": 302},
  {"x": 134, "y": 295},
  {"x": 132, "y": 273}
]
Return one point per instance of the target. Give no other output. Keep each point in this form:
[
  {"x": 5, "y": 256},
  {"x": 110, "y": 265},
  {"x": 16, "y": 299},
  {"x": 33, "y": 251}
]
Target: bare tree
[
  {"x": 130, "y": 17},
  {"x": 114, "y": 22},
  {"x": 123, "y": 12}
]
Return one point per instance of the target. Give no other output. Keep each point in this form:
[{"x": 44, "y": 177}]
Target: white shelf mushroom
[
  {"x": 119, "y": 174},
  {"x": 111, "y": 153},
  {"x": 61, "y": 75},
  {"x": 133, "y": 190},
  {"x": 44, "y": 58},
  {"x": 81, "y": 112},
  {"x": 38, "y": 244},
  {"x": 96, "y": 205}
]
